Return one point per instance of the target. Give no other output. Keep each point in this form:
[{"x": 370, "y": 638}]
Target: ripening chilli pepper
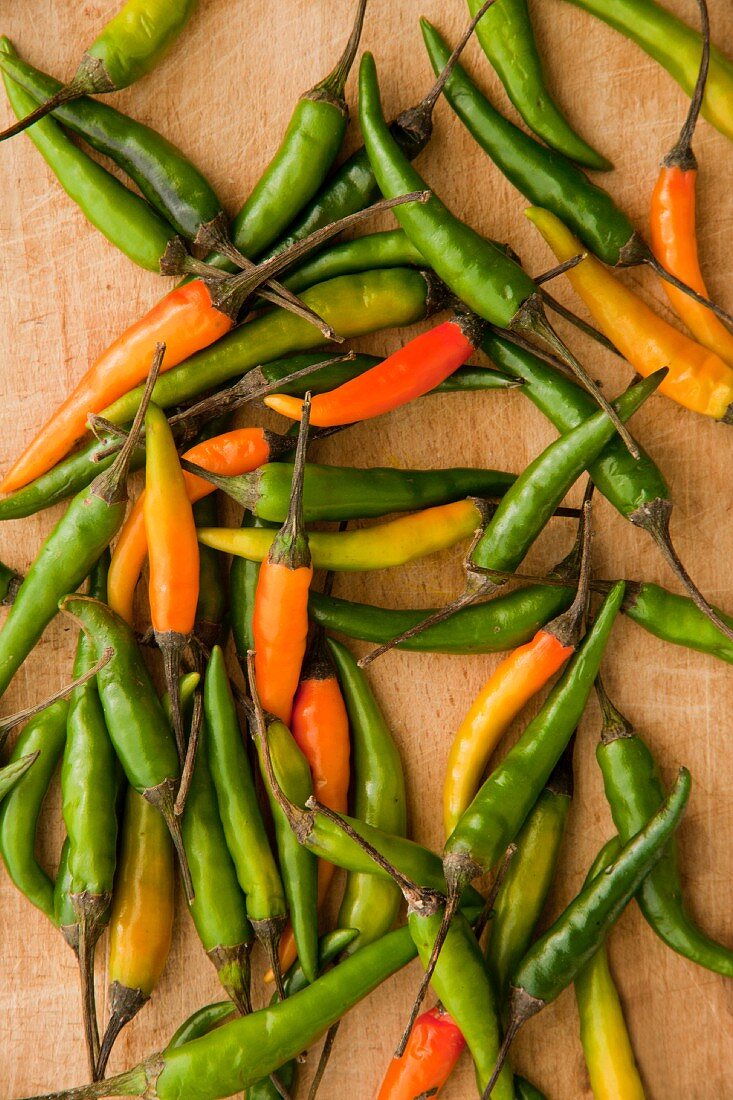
[
  {"x": 554, "y": 961},
  {"x": 432, "y": 1051},
  {"x": 280, "y": 614}
]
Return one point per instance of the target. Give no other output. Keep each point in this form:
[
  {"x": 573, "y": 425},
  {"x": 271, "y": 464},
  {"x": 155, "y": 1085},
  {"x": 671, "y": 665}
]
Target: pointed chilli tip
[{"x": 284, "y": 404}]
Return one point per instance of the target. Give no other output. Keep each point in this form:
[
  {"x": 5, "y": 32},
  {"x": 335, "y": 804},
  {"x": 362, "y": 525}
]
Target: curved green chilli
[
  {"x": 369, "y": 903},
  {"x": 213, "y": 603},
  {"x": 391, "y": 248},
  {"x": 502, "y": 623},
  {"x": 521, "y": 898},
  {"x": 243, "y": 576},
  {"x": 676, "y": 619},
  {"x": 503, "y": 803},
  {"x": 675, "y": 46},
  {"x": 506, "y": 37},
  {"x": 354, "y": 305},
  {"x": 490, "y": 283},
  {"x": 135, "y": 39},
  {"x": 543, "y": 175},
  {"x": 298, "y": 866},
  {"x": 10, "y": 774},
  {"x": 219, "y": 909},
  {"x": 126, "y": 220},
  {"x": 64, "y": 913},
  {"x": 169, "y": 181},
  {"x": 20, "y": 811},
  {"x": 635, "y": 792}
]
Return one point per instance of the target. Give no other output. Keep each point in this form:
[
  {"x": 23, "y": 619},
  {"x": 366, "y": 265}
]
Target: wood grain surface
[{"x": 224, "y": 95}]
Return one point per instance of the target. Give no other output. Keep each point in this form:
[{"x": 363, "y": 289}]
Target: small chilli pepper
[
  {"x": 11, "y": 773},
  {"x": 634, "y": 791},
  {"x": 89, "y": 796},
  {"x": 126, "y": 220},
  {"x": 135, "y": 719},
  {"x": 519, "y": 676},
  {"x": 672, "y": 221},
  {"x": 45, "y": 734},
  {"x": 240, "y": 814},
  {"x": 63, "y": 910},
  {"x": 607, "y": 1047},
  {"x": 676, "y": 619},
  {"x": 432, "y": 1051},
  {"x": 127, "y": 48},
  {"x": 507, "y": 39},
  {"x": 396, "y": 542},
  {"x": 698, "y": 379},
  {"x": 167, "y": 179},
  {"x": 390, "y": 248},
  {"x": 67, "y": 556},
  {"x": 201, "y": 1023},
  {"x": 523, "y": 892},
  {"x": 243, "y": 576},
  {"x": 170, "y": 532},
  {"x": 553, "y": 962},
  {"x": 212, "y": 608},
  {"x": 280, "y": 614},
  {"x": 141, "y": 925}
]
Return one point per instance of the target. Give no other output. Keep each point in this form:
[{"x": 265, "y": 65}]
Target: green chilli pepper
[
  {"x": 213, "y": 603},
  {"x": 89, "y": 797},
  {"x": 140, "y": 733},
  {"x": 506, "y": 37},
  {"x": 201, "y": 1023},
  {"x": 634, "y": 791},
  {"x": 175, "y": 187},
  {"x": 127, "y": 48},
  {"x": 353, "y": 304},
  {"x": 63, "y": 910},
  {"x": 243, "y": 577},
  {"x": 675, "y": 46},
  {"x": 369, "y": 903},
  {"x": 126, "y": 220},
  {"x": 523, "y": 892},
  {"x": 45, "y": 734},
  {"x": 376, "y": 250},
  {"x": 344, "y": 492},
  {"x": 11, "y": 773},
  {"x": 607, "y": 1047},
  {"x": 677, "y": 620},
  {"x": 554, "y": 961},
  {"x": 218, "y": 910}
]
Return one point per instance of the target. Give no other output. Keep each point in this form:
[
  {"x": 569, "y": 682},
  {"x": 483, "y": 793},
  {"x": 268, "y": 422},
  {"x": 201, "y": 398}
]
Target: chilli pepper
[
  {"x": 237, "y": 1054},
  {"x": 390, "y": 248},
  {"x": 523, "y": 891},
  {"x": 219, "y": 910},
  {"x": 676, "y": 619},
  {"x": 63, "y": 910},
  {"x": 127, "y": 48},
  {"x": 68, "y": 554},
  {"x": 11, "y": 773},
  {"x": 45, "y": 734},
  {"x": 507, "y": 39},
  {"x": 672, "y": 221},
  {"x": 634, "y": 791},
  {"x": 432, "y": 1051},
  {"x": 127, "y": 221},
  {"x": 490, "y": 282},
  {"x": 344, "y": 492},
  {"x": 243, "y": 577},
  {"x": 212, "y": 608},
  {"x": 240, "y": 814},
  {"x": 607, "y": 1047},
  {"x": 89, "y": 796},
  {"x": 553, "y": 962},
  {"x": 201, "y": 1022},
  {"x": 697, "y": 379},
  {"x": 675, "y": 46},
  {"x": 280, "y": 613},
  {"x": 141, "y": 925},
  {"x": 137, "y": 725},
  {"x": 404, "y": 539},
  {"x": 173, "y": 550},
  {"x": 167, "y": 179},
  {"x": 526, "y": 507},
  {"x": 549, "y": 180},
  {"x": 511, "y": 685}
]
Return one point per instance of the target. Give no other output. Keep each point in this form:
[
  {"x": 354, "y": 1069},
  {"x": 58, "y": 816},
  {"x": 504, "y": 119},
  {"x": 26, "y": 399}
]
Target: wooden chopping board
[{"x": 224, "y": 95}]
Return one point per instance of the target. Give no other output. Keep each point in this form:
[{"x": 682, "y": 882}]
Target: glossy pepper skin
[
  {"x": 432, "y": 1051},
  {"x": 19, "y": 813},
  {"x": 506, "y": 37},
  {"x": 697, "y": 378},
  {"x": 126, "y": 220},
  {"x": 675, "y": 619},
  {"x": 607, "y": 1047},
  {"x": 369, "y": 903},
  {"x": 168, "y": 180},
  {"x": 635, "y": 792}
]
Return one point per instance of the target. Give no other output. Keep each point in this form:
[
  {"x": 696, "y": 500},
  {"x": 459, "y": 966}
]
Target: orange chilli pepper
[
  {"x": 235, "y": 452},
  {"x": 434, "y": 1047},
  {"x": 174, "y": 555},
  {"x": 280, "y": 613},
  {"x": 672, "y": 222},
  {"x": 410, "y": 372}
]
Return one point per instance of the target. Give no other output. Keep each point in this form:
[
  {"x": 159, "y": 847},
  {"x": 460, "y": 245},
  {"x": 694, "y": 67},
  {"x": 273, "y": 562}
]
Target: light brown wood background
[{"x": 224, "y": 95}]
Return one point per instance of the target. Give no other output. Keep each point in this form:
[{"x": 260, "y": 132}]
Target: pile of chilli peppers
[{"x": 215, "y": 727}]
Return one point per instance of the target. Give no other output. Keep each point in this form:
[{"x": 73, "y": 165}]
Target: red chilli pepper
[{"x": 434, "y": 1047}]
